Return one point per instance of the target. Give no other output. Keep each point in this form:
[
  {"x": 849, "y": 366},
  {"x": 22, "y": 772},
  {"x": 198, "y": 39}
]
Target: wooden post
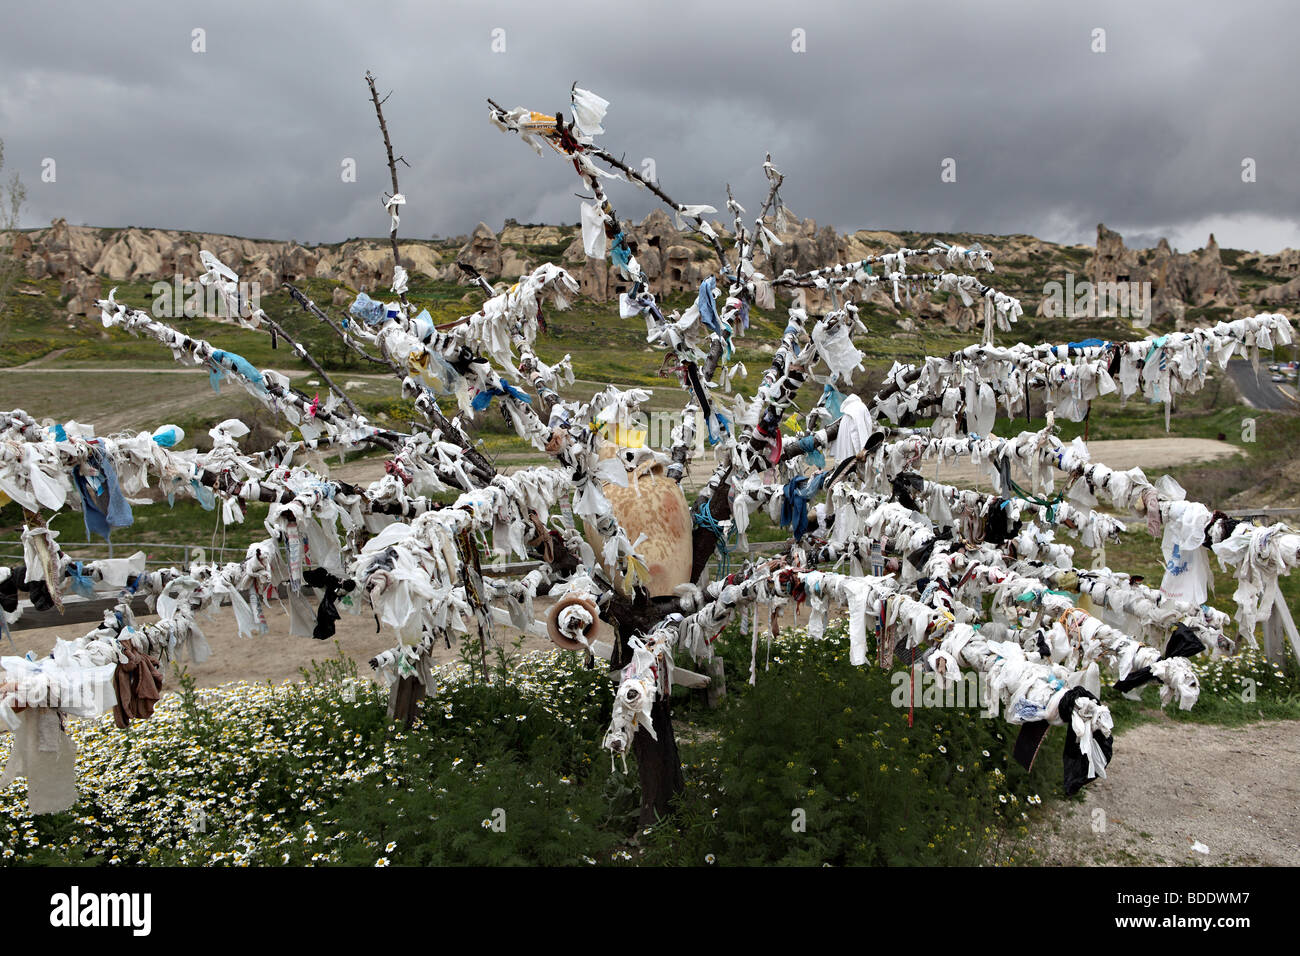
[
  {"x": 1272, "y": 638},
  {"x": 717, "y": 688},
  {"x": 659, "y": 766},
  {"x": 1278, "y": 629},
  {"x": 404, "y": 700}
]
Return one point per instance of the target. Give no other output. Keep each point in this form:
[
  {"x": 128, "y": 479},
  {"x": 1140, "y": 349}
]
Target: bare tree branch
[
  {"x": 309, "y": 306},
  {"x": 392, "y": 169}
]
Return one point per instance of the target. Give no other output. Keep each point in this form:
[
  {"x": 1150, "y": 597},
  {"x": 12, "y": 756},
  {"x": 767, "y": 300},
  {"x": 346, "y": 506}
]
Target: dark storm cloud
[{"x": 1049, "y": 137}]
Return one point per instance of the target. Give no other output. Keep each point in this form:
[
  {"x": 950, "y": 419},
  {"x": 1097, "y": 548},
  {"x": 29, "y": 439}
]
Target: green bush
[
  {"x": 501, "y": 773},
  {"x": 823, "y": 737}
]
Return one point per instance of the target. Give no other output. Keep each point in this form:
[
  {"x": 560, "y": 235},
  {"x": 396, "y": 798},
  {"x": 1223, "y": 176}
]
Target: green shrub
[{"x": 821, "y": 736}]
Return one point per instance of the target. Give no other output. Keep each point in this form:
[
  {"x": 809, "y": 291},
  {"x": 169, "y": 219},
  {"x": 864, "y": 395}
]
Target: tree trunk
[{"x": 658, "y": 765}]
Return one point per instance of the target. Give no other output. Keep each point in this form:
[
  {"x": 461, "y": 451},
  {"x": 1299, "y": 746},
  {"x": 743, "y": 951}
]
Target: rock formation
[
  {"x": 483, "y": 252},
  {"x": 82, "y": 258},
  {"x": 1178, "y": 281}
]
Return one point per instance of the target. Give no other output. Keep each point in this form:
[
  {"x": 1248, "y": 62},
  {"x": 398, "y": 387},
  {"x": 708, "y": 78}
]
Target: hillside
[
  {"x": 81, "y": 258},
  {"x": 51, "y": 321},
  {"x": 63, "y": 269}
]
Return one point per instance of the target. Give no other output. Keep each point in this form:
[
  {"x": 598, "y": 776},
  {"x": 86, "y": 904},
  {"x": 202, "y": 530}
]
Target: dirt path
[
  {"x": 1153, "y": 455},
  {"x": 1235, "y": 790},
  {"x": 36, "y": 367},
  {"x": 113, "y": 399},
  {"x": 40, "y": 360}
]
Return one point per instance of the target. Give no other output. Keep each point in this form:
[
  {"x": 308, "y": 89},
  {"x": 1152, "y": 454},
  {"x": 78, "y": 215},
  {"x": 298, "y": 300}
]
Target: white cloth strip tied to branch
[
  {"x": 681, "y": 336},
  {"x": 269, "y": 387},
  {"x": 409, "y": 572},
  {"x": 432, "y": 358},
  {"x": 511, "y": 314},
  {"x": 179, "y": 596},
  {"x": 1030, "y": 691},
  {"x": 829, "y": 342},
  {"x": 225, "y": 282},
  {"x": 1079, "y": 638},
  {"x": 408, "y": 566},
  {"x": 910, "y": 532},
  {"x": 297, "y": 494},
  {"x": 1148, "y": 613},
  {"x": 1259, "y": 555},
  {"x": 943, "y": 502},
  {"x": 313, "y": 507},
  {"x": 759, "y": 443},
  {"x": 504, "y": 321},
  {"x": 862, "y": 518},
  {"x": 509, "y": 317},
  {"x": 1163, "y": 505},
  {"x": 1160, "y": 367},
  {"x": 1000, "y": 310},
  {"x": 598, "y": 220}
]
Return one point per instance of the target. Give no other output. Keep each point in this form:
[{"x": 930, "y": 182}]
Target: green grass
[{"x": 1235, "y": 691}]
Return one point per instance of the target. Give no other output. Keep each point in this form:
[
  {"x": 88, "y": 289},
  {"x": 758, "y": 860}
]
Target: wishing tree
[{"x": 947, "y": 579}]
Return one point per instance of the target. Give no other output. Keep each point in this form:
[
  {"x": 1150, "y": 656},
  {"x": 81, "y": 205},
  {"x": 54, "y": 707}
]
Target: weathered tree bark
[
  {"x": 703, "y": 541},
  {"x": 717, "y": 688},
  {"x": 658, "y": 764},
  {"x": 278, "y": 330},
  {"x": 404, "y": 700}
]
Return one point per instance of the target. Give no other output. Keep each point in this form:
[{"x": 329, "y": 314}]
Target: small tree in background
[{"x": 12, "y": 195}]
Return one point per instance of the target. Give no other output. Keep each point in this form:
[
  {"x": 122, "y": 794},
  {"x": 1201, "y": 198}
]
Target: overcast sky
[{"x": 1049, "y": 137}]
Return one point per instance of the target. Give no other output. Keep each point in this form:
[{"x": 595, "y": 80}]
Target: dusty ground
[
  {"x": 1236, "y": 790},
  {"x": 1153, "y": 455},
  {"x": 275, "y": 656}
]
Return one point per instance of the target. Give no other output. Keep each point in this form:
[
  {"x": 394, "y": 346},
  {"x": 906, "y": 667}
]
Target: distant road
[{"x": 1260, "y": 392}]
